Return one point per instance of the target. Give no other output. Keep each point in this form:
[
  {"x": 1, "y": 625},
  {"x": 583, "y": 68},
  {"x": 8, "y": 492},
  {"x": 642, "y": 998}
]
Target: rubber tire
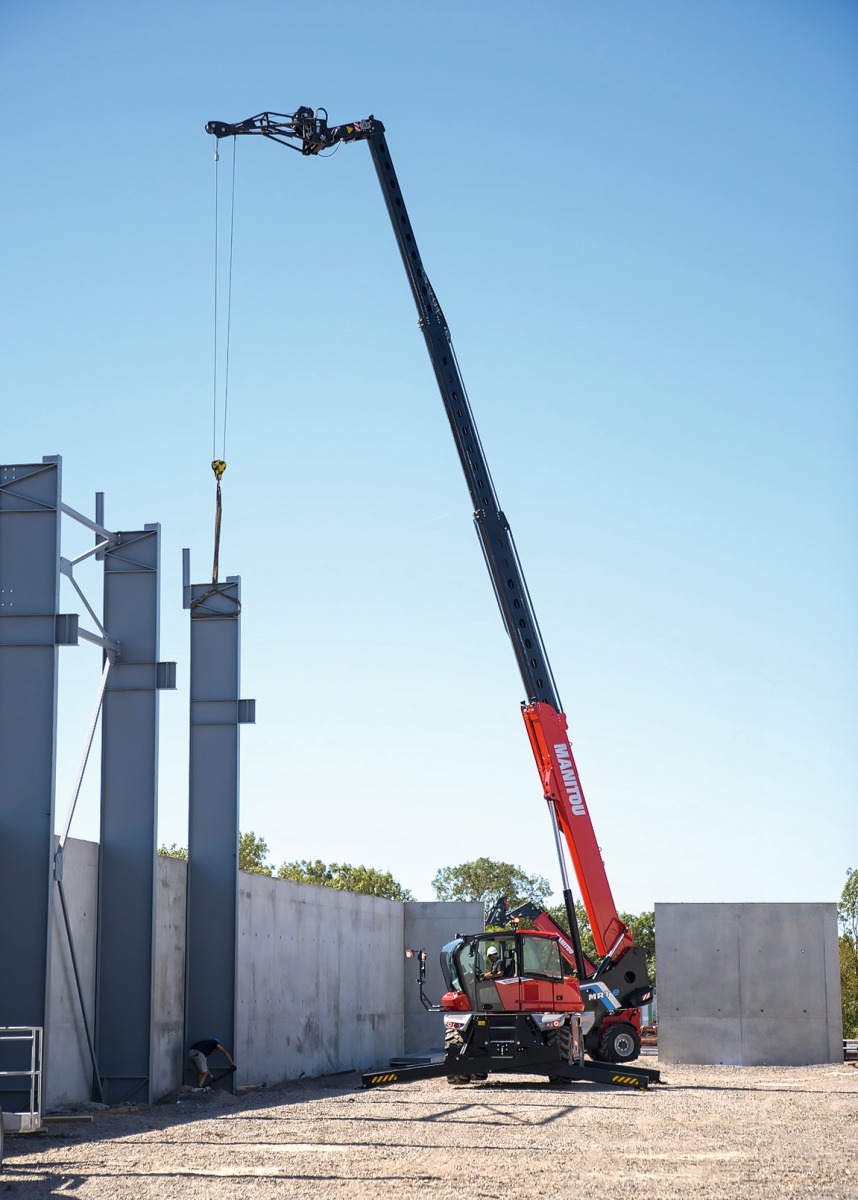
[
  {"x": 453, "y": 1040},
  {"x": 563, "y": 1040},
  {"x": 564, "y": 1043},
  {"x": 620, "y": 1043}
]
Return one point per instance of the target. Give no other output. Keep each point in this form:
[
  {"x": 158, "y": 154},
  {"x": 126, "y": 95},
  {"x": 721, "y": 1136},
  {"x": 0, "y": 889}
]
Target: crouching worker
[{"x": 200, "y": 1053}]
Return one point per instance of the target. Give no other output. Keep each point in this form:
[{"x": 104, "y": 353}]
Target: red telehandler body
[{"x": 536, "y": 1016}]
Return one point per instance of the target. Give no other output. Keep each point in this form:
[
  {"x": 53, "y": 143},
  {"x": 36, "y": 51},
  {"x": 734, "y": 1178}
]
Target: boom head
[{"x": 304, "y": 129}]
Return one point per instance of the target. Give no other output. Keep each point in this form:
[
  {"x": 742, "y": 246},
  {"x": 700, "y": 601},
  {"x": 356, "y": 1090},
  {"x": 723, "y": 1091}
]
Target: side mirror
[{"x": 420, "y": 955}]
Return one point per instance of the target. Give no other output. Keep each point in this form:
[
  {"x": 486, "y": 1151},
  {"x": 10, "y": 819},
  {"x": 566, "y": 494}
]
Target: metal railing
[{"x": 31, "y": 1118}]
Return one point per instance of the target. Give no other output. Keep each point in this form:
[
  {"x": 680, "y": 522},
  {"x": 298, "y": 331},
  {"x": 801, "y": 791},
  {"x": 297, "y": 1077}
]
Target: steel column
[
  {"x": 129, "y": 780},
  {"x": 31, "y": 629},
  {"x": 216, "y": 712}
]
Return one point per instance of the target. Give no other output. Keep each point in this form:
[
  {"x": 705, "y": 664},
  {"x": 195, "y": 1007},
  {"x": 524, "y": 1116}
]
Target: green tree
[
  {"x": 252, "y": 852},
  {"x": 173, "y": 851},
  {"x": 365, "y": 880},
  {"x": 642, "y": 927},
  {"x": 485, "y": 880},
  {"x": 558, "y": 912},
  {"x": 847, "y": 913},
  {"x": 643, "y": 931}
]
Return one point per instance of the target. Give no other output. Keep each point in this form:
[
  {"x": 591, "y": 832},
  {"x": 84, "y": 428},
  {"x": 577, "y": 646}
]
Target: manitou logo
[{"x": 567, "y": 770}]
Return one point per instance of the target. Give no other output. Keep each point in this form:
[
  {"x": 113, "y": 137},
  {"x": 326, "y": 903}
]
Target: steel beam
[
  {"x": 216, "y": 713},
  {"x": 129, "y": 782},
  {"x": 31, "y": 629}
]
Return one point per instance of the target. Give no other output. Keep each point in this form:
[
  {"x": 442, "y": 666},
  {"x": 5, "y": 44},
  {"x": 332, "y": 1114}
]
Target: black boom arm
[{"x": 308, "y": 131}]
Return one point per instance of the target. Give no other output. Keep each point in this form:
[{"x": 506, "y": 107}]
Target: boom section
[
  {"x": 543, "y": 714},
  {"x": 492, "y": 526},
  {"x": 308, "y": 132}
]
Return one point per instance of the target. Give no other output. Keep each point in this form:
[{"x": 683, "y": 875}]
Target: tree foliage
[
  {"x": 558, "y": 912},
  {"x": 252, "y": 852},
  {"x": 847, "y": 914},
  {"x": 643, "y": 931},
  {"x": 174, "y": 850},
  {"x": 253, "y": 857},
  {"x": 365, "y": 880},
  {"x": 642, "y": 927},
  {"x": 485, "y": 880}
]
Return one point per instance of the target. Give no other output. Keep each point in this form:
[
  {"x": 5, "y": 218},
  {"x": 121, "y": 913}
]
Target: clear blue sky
[{"x": 640, "y": 221}]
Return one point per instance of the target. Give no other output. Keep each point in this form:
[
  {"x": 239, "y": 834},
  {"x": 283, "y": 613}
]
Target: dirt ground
[{"x": 731, "y": 1132}]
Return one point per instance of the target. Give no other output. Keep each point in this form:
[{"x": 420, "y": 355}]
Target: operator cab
[{"x": 508, "y": 972}]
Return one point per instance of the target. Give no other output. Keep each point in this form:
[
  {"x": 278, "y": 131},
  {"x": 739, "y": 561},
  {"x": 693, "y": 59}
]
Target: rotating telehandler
[{"x": 542, "y": 1003}]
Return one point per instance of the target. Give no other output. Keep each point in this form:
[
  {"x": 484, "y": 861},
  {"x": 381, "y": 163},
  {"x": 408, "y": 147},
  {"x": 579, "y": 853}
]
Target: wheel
[
  {"x": 619, "y": 1043},
  {"x": 564, "y": 1043},
  {"x": 453, "y": 1042}
]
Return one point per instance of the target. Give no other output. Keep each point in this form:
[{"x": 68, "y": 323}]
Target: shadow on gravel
[
  {"x": 482, "y": 1103},
  {"x": 767, "y": 1090},
  {"x": 52, "y": 1183},
  {"x": 97, "y": 1124}
]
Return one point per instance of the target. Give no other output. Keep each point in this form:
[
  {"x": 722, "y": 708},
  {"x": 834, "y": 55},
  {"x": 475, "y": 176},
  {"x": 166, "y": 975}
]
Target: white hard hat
[{"x": 493, "y": 950}]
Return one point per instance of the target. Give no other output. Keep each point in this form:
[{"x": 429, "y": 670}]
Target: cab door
[
  {"x": 498, "y": 990},
  {"x": 542, "y": 987}
]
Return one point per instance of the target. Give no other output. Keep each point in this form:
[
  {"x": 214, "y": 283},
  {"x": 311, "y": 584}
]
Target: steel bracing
[{"x": 31, "y": 868}]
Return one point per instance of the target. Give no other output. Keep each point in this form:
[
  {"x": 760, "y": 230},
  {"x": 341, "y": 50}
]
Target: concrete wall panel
[
  {"x": 323, "y": 984},
  {"x": 748, "y": 984},
  {"x": 703, "y": 955},
  {"x": 429, "y": 926},
  {"x": 68, "y": 1066},
  {"x": 320, "y": 980},
  {"x": 168, "y": 997}
]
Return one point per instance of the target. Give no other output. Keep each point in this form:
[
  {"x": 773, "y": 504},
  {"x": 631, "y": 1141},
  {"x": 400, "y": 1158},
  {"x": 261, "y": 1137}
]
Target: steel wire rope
[
  {"x": 214, "y": 324},
  {"x": 229, "y": 299},
  {"x": 219, "y": 464}
]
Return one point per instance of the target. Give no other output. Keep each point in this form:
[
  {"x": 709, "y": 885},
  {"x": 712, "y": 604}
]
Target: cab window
[
  {"x": 464, "y": 981},
  {"x": 500, "y": 965},
  {"x": 541, "y": 956}
]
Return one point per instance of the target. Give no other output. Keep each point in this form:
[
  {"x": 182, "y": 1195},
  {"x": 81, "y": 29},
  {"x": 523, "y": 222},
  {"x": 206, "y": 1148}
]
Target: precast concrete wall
[
  {"x": 320, "y": 978},
  {"x": 748, "y": 984},
  {"x": 168, "y": 999},
  {"x": 67, "y": 1063},
  {"x": 68, "y": 1068},
  {"x": 322, "y": 984},
  {"x": 429, "y": 926}
]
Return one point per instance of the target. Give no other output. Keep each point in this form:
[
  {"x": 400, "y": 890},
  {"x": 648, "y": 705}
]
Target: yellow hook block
[{"x": 218, "y": 466}]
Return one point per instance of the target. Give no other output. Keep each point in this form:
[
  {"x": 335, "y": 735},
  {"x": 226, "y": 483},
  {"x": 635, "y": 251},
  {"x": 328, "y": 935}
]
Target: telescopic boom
[{"x": 308, "y": 131}]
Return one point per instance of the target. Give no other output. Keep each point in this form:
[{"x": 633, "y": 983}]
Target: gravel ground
[{"x": 707, "y": 1132}]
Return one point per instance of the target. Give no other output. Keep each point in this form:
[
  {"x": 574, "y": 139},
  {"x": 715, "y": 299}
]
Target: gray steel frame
[
  {"x": 215, "y": 714},
  {"x": 129, "y": 789},
  {"x": 31, "y": 629}
]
